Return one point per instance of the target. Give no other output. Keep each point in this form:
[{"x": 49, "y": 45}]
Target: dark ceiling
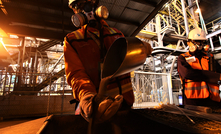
[
  {"x": 52, "y": 18},
  {"x": 211, "y": 9}
]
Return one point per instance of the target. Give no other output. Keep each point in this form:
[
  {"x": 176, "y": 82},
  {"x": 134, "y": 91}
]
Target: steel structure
[{"x": 167, "y": 33}]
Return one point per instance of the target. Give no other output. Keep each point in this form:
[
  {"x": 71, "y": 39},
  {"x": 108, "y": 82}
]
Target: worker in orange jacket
[
  {"x": 84, "y": 52},
  {"x": 199, "y": 72}
]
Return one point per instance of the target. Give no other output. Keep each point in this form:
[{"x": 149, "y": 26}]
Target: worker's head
[
  {"x": 87, "y": 12},
  {"x": 197, "y": 40}
]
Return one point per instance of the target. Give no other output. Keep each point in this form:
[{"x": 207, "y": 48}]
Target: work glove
[{"x": 105, "y": 106}]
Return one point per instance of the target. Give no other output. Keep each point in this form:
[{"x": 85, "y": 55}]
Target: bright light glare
[
  {"x": 13, "y": 36},
  {"x": 197, "y": 10},
  {"x": 1, "y": 41},
  {"x": 3, "y": 33},
  {"x": 134, "y": 52},
  {"x": 15, "y": 65},
  {"x": 3, "y": 49}
]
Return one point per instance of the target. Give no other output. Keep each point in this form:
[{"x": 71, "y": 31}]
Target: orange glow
[
  {"x": 135, "y": 52},
  {"x": 13, "y": 36},
  {"x": 3, "y": 33},
  {"x": 3, "y": 49},
  {"x": 3, "y": 8},
  {"x": 197, "y": 10}
]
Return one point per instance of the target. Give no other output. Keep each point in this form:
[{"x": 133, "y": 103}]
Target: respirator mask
[
  {"x": 198, "y": 45},
  {"x": 89, "y": 14}
]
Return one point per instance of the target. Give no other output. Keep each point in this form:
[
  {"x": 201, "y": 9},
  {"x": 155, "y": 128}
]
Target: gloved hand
[{"x": 106, "y": 106}]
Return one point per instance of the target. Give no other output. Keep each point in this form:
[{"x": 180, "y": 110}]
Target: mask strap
[
  {"x": 93, "y": 37},
  {"x": 85, "y": 33},
  {"x": 103, "y": 48}
]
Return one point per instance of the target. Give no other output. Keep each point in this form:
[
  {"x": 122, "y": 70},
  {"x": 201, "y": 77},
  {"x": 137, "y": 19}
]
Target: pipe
[
  {"x": 127, "y": 54},
  {"x": 219, "y": 40},
  {"x": 211, "y": 44},
  {"x": 185, "y": 18},
  {"x": 55, "y": 65},
  {"x": 124, "y": 55},
  {"x": 213, "y": 34}
]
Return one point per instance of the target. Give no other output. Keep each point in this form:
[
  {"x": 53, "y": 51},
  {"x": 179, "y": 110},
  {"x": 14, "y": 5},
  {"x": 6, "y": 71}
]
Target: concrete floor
[{"x": 21, "y": 126}]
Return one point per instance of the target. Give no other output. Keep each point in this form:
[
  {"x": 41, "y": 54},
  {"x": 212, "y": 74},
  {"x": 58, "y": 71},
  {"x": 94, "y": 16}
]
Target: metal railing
[
  {"x": 150, "y": 87},
  {"x": 214, "y": 25},
  {"x": 18, "y": 97},
  {"x": 20, "y": 83}
]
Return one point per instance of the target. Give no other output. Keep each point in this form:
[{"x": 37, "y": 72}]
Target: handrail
[{"x": 213, "y": 20}]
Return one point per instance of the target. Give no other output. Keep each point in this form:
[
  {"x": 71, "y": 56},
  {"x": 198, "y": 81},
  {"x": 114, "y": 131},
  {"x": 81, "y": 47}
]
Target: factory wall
[{"x": 30, "y": 106}]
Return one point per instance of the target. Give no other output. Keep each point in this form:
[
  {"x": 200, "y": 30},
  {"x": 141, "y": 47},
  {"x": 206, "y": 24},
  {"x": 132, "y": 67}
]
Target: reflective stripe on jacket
[
  {"x": 82, "y": 62},
  {"x": 197, "y": 90}
]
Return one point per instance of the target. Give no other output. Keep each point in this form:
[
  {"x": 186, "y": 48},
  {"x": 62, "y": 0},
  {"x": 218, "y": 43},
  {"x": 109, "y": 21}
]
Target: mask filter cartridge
[{"x": 82, "y": 18}]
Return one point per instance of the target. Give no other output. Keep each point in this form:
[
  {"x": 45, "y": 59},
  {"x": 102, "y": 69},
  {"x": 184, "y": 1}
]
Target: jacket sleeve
[
  {"x": 187, "y": 72},
  {"x": 75, "y": 73}
]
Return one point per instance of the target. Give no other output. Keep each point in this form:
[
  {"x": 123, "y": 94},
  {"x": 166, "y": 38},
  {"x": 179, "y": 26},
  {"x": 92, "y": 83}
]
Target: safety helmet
[
  {"x": 70, "y": 3},
  {"x": 197, "y": 40},
  {"x": 197, "y": 34}
]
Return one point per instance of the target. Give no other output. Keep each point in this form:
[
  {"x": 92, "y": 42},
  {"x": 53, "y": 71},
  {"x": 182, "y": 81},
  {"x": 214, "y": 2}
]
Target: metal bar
[
  {"x": 170, "y": 88},
  {"x": 185, "y": 18},
  {"x": 213, "y": 34},
  {"x": 1, "y": 75},
  {"x": 35, "y": 62},
  {"x": 137, "y": 81},
  {"x": 21, "y": 59},
  {"x": 219, "y": 40},
  {"x": 211, "y": 44},
  {"x": 213, "y": 21},
  {"x": 158, "y": 29},
  {"x": 57, "y": 62},
  {"x": 140, "y": 72},
  {"x": 49, "y": 96},
  {"x": 5, "y": 81},
  {"x": 62, "y": 103},
  {"x": 142, "y": 82},
  {"x": 10, "y": 82},
  {"x": 201, "y": 18},
  {"x": 170, "y": 15},
  {"x": 23, "y": 53},
  {"x": 174, "y": 58},
  {"x": 16, "y": 77}
]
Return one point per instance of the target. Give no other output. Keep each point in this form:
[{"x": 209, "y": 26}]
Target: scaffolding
[
  {"x": 151, "y": 89},
  {"x": 167, "y": 33}
]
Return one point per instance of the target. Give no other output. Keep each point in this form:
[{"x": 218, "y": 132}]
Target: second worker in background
[{"x": 199, "y": 72}]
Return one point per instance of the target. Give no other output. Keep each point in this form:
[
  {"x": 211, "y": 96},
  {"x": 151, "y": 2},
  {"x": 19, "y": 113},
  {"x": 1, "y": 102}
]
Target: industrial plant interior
[{"x": 35, "y": 96}]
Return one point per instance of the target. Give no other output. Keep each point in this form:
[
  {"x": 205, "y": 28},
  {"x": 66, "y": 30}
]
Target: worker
[
  {"x": 199, "y": 72},
  {"x": 84, "y": 52}
]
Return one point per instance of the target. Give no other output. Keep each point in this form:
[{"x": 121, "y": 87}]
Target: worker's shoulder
[
  {"x": 77, "y": 34},
  {"x": 182, "y": 56},
  {"x": 112, "y": 29},
  {"x": 186, "y": 54}
]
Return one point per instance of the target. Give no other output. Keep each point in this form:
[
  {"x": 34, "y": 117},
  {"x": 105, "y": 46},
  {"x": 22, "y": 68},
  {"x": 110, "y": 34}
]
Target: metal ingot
[{"x": 125, "y": 55}]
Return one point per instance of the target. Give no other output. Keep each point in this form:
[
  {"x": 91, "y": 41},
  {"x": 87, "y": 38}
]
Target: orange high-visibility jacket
[
  {"x": 197, "y": 90},
  {"x": 82, "y": 62}
]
